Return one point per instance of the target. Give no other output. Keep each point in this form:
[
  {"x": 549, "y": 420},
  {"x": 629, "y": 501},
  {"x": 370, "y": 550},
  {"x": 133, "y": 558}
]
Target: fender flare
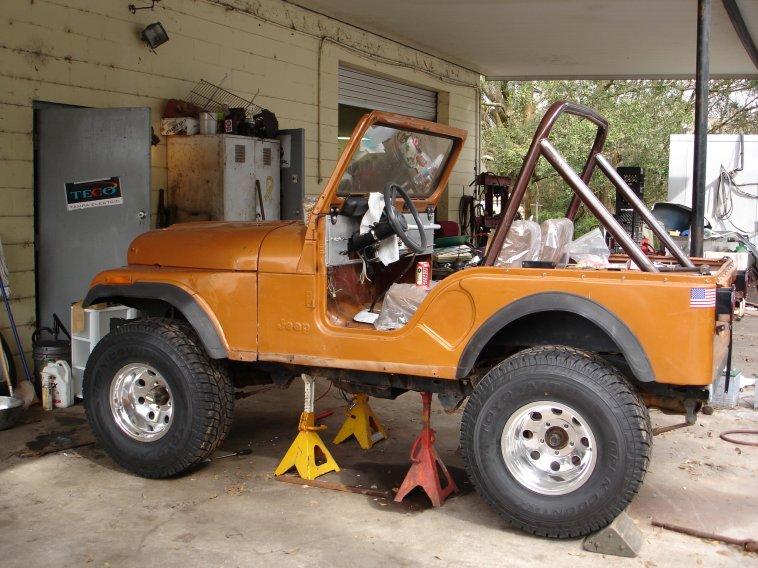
[
  {"x": 178, "y": 298},
  {"x": 606, "y": 320}
]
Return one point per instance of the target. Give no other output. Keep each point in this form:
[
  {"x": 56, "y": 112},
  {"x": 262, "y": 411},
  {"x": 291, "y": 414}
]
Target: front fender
[{"x": 173, "y": 295}]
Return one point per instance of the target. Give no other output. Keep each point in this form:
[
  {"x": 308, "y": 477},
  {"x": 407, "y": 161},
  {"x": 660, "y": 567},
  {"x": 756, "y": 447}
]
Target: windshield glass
[{"x": 410, "y": 159}]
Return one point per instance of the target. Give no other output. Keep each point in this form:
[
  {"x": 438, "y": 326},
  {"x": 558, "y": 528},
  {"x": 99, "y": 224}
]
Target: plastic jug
[{"x": 59, "y": 374}]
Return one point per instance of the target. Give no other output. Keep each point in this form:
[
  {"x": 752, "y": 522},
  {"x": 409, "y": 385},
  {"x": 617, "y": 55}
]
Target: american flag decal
[{"x": 702, "y": 297}]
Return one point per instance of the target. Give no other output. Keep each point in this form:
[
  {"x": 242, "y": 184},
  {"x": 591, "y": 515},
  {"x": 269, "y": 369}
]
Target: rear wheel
[
  {"x": 556, "y": 441},
  {"x": 154, "y": 399}
]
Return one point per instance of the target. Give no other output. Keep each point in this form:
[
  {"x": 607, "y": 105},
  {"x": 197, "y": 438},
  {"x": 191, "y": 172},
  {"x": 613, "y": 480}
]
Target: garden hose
[{"x": 727, "y": 437}]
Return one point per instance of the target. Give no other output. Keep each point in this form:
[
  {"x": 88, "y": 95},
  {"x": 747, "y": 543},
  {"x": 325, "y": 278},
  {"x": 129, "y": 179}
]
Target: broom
[{"x": 24, "y": 389}]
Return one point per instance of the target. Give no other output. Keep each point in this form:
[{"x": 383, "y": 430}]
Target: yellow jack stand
[
  {"x": 308, "y": 453},
  {"x": 361, "y": 422}
]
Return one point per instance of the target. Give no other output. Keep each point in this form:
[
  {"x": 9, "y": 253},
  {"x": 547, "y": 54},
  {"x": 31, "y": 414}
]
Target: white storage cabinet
[{"x": 97, "y": 323}]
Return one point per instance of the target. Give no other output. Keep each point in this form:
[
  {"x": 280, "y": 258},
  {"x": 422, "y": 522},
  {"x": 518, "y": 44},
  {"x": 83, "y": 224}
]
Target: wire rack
[{"x": 214, "y": 98}]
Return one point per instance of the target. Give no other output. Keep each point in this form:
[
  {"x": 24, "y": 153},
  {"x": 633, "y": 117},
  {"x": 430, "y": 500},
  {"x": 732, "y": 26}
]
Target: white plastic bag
[
  {"x": 556, "y": 237},
  {"x": 400, "y": 303},
  {"x": 590, "y": 250},
  {"x": 388, "y": 250},
  {"x": 521, "y": 243}
]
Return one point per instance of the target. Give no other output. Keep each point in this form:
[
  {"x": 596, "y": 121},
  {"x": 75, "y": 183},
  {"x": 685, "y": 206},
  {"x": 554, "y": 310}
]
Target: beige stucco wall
[{"x": 87, "y": 53}]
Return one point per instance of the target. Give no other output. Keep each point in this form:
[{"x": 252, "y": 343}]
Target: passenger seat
[{"x": 522, "y": 243}]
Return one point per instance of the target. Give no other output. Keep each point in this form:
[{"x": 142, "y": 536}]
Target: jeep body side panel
[
  {"x": 227, "y": 299},
  {"x": 288, "y": 321},
  {"x": 676, "y": 340}
]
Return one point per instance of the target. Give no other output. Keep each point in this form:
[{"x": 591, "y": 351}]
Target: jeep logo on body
[{"x": 285, "y": 325}]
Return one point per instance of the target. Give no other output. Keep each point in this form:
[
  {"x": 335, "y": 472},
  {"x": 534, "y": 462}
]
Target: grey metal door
[
  {"x": 293, "y": 172},
  {"x": 93, "y": 197}
]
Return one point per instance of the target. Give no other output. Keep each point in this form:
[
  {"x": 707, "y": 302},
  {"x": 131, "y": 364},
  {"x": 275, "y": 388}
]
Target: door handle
[{"x": 141, "y": 215}]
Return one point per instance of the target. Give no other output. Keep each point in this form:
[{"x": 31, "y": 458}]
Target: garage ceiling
[{"x": 539, "y": 39}]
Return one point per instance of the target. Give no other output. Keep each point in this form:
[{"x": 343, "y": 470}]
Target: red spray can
[{"x": 423, "y": 273}]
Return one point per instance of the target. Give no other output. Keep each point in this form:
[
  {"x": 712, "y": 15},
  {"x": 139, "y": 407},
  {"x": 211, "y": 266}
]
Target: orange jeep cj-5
[{"x": 558, "y": 362}]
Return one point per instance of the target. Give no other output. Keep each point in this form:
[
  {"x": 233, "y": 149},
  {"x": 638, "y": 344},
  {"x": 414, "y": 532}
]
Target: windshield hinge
[
  {"x": 333, "y": 212},
  {"x": 429, "y": 212}
]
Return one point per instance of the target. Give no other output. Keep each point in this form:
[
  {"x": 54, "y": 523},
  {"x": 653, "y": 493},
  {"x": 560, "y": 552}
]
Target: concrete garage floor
[{"x": 75, "y": 507}]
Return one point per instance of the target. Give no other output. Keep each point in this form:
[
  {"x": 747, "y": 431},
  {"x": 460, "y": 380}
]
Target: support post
[{"x": 701, "y": 127}]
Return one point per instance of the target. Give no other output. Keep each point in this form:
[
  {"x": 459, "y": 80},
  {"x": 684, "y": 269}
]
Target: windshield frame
[{"x": 329, "y": 198}]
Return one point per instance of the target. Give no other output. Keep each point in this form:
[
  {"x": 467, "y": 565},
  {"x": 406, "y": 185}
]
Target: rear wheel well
[{"x": 554, "y": 327}]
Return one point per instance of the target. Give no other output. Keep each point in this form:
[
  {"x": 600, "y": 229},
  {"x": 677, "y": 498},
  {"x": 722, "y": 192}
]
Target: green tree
[{"x": 642, "y": 115}]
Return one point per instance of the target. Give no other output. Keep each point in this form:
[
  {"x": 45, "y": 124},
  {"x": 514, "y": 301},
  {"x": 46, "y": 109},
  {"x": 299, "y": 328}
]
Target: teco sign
[{"x": 93, "y": 193}]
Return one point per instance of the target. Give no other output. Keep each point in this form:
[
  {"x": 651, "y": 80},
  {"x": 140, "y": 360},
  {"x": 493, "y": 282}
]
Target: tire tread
[
  {"x": 609, "y": 379},
  {"x": 209, "y": 379}
]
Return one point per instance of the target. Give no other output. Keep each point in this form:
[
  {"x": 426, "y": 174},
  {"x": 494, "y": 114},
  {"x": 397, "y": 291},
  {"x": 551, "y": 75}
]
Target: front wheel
[
  {"x": 556, "y": 441},
  {"x": 155, "y": 401}
]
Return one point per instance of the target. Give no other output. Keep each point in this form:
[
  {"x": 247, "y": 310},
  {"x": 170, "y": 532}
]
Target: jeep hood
[{"x": 210, "y": 245}]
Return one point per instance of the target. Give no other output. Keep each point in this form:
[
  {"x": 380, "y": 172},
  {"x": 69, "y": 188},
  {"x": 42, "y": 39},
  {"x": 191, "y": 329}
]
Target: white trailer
[{"x": 728, "y": 207}]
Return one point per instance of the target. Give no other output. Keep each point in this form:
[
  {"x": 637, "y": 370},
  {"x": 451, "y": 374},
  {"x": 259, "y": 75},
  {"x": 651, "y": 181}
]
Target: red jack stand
[{"x": 427, "y": 466}]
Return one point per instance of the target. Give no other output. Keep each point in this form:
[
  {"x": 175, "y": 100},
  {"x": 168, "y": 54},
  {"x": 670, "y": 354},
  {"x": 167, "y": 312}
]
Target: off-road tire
[
  {"x": 614, "y": 411},
  {"x": 202, "y": 395}
]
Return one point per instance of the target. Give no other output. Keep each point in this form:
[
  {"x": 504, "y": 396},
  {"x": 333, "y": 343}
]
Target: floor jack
[
  {"x": 361, "y": 422},
  {"x": 426, "y": 464},
  {"x": 308, "y": 453}
]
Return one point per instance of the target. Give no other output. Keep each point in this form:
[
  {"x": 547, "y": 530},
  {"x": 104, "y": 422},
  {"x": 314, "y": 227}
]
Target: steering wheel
[{"x": 397, "y": 220}]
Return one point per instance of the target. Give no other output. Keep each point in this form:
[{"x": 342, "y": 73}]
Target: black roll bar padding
[{"x": 530, "y": 163}]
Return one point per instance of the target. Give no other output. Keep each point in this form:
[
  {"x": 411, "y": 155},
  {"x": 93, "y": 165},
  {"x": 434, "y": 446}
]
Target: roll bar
[{"x": 541, "y": 146}]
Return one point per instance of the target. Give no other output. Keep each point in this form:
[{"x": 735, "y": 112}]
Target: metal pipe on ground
[{"x": 747, "y": 544}]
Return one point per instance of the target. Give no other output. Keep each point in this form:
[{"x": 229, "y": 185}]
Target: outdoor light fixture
[{"x": 154, "y": 35}]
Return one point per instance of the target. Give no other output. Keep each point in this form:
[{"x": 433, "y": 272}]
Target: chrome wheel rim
[
  {"x": 141, "y": 402},
  {"x": 548, "y": 448}
]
